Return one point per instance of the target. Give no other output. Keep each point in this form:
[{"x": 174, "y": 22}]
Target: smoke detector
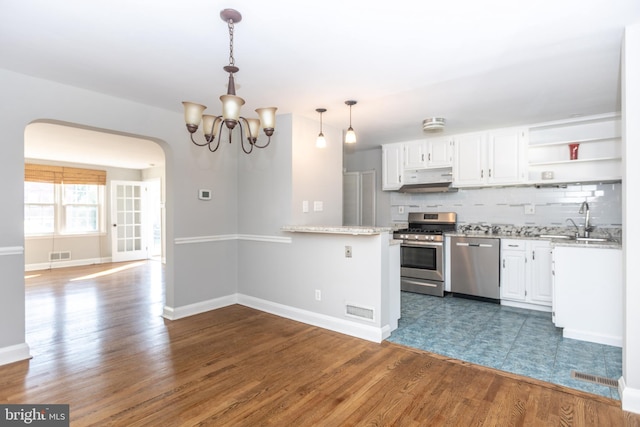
[{"x": 433, "y": 124}]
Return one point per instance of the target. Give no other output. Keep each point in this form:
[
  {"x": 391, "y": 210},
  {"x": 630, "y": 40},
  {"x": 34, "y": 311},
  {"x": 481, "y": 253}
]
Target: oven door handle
[
  {"x": 413, "y": 282},
  {"x": 420, "y": 244}
]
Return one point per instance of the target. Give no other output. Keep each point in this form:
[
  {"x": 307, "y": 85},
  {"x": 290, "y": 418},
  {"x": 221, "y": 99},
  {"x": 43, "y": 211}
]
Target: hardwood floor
[{"x": 100, "y": 345}]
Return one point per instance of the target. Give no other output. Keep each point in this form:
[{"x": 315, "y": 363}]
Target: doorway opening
[{"x": 138, "y": 161}]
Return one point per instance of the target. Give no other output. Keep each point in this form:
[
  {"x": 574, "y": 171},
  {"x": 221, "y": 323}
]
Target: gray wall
[
  {"x": 366, "y": 160},
  {"x": 273, "y": 187},
  {"x": 26, "y": 99},
  {"x": 36, "y": 249}
]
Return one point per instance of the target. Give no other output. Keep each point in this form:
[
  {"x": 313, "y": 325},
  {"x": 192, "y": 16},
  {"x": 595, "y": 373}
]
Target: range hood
[{"x": 428, "y": 181}]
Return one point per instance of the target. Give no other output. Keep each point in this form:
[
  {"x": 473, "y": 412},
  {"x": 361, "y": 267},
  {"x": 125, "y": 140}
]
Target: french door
[{"x": 128, "y": 231}]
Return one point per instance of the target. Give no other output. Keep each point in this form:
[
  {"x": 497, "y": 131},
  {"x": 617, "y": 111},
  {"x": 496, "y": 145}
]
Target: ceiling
[{"x": 480, "y": 65}]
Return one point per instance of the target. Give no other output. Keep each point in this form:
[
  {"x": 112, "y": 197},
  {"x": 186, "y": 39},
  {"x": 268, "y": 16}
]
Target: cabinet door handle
[
  {"x": 503, "y": 264},
  {"x": 481, "y": 173},
  {"x": 429, "y": 156},
  {"x": 489, "y": 173},
  {"x": 533, "y": 255},
  {"x": 423, "y": 157}
]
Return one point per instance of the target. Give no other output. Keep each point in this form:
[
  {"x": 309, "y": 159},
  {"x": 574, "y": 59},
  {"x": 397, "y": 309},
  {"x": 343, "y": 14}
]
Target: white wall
[
  {"x": 25, "y": 99},
  {"x": 631, "y": 230}
]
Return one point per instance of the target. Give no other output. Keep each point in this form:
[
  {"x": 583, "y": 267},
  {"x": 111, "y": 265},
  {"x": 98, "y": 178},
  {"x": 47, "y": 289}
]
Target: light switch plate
[{"x": 318, "y": 206}]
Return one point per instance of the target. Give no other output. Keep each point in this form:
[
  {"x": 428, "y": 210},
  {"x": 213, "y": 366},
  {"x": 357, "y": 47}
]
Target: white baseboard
[
  {"x": 175, "y": 313},
  {"x": 343, "y": 326},
  {"x": 63, "y": 264},
  {"x": 14, "y": 353},
  {"x": 528, "y": 306},
  {"x": 630, "y": 397},
  {"x": 592, "y": 337}
]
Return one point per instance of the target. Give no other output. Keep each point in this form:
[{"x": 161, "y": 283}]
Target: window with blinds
[{"x": 63, "y": 200}]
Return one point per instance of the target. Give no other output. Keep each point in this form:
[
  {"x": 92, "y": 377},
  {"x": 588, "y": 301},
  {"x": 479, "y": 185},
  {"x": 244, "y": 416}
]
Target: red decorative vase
[{"x": 573, "y": 151}]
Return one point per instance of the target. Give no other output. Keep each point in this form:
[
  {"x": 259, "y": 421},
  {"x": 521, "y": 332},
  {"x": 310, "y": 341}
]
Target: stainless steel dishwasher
[{"x": 475, "y": 267}]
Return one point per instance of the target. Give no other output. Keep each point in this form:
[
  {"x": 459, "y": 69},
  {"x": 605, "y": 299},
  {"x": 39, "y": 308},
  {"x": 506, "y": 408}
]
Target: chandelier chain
[{"x": 231, "y": 59}]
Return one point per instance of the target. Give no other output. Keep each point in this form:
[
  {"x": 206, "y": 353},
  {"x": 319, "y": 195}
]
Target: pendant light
[
  {"x": 321, "y": 142},
  {"x": 350, "y": 136}
]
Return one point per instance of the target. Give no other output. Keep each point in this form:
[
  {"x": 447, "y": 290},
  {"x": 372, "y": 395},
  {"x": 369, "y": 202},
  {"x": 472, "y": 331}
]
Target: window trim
[{"x": 59, "y": 213}]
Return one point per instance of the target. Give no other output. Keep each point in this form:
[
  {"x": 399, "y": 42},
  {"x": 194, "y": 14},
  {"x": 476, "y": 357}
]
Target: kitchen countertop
[
  {"x": 336, "y": 229},
  {"x": 554, "y": 242}
]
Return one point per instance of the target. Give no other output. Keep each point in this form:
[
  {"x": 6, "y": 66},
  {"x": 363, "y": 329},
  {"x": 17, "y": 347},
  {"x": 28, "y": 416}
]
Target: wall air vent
[
  {"x": 365, "y": 313},
  {"x": 433, "y": 124},
  {"x": 60, "y": 256}
]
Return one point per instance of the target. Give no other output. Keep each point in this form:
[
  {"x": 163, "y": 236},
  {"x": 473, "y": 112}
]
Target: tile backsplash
[{"x": 551, "y": 207}]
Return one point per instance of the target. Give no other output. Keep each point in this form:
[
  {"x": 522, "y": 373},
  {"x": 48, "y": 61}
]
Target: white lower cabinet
[
  {"x": 588, "y": 296},
  {"x": 525, "y": 279}
]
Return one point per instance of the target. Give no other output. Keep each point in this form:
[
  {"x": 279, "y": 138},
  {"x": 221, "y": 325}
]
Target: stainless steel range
[{"x": 422, "y": 251}]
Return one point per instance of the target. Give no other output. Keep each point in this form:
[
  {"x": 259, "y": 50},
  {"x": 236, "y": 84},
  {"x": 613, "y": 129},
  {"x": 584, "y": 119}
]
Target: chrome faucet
[
  {"x": 574, "y": 224},
  {"x": 584, "y": 210}
]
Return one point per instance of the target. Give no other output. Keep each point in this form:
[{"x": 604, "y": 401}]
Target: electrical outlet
[
  {"x": 305, "y": 206},
  {"x": 400, "y": 209},
  {"x": 529, "y": 209},
  {"x": 318, "y": 295},
  {"x": 347, "y": 251}
]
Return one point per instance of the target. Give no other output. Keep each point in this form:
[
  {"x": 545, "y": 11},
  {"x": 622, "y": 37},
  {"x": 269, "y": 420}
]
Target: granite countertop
[
  {"x": 336, "y": 229},
  {"x": 613, "y": 244}
]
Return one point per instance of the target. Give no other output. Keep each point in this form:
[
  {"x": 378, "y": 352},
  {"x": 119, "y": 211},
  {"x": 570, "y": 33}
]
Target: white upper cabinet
[
  {"x": 597, "y": 155},
  {"x": 490, "y": 158},
  {"x": 392, "y": 166},
  {"x": 415, "y": 154},
  {"x": 469, "y": 159},
  {"x": 428, "y": 153},
  {"x": 506, "y": 156},
  {"x": 440, "y": 152},
  {"x": 536, "y": 154}
]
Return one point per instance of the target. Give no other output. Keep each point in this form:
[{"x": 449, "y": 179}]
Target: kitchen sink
[
  {"x": 577, "y": 239},
  {"x": 556, "y": 236},
  {"x": 592, "y": 239}
]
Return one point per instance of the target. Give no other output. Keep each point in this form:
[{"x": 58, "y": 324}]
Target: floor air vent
[
  {"x": 360, "y": 312},
  {"x": 596, "y": 379}
]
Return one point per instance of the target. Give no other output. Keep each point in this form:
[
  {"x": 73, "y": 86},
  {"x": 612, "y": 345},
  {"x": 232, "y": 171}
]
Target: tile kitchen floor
[{"x": 520, "y": 341}]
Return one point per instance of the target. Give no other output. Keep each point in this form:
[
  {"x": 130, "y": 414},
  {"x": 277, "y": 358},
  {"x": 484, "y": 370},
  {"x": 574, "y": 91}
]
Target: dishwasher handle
[{"x": 474, "y": 245}]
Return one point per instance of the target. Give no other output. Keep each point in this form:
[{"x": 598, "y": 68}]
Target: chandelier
[{"x": 231, "y": 104}]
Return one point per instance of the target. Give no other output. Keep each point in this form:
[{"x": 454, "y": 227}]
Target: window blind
[{"x": 64, "y": 175}]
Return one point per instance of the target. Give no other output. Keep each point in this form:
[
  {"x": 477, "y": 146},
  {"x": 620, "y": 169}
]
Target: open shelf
[
  {"x": 560, "y": 162},
  {"x": 573, "y": 141},
  {"x": 599, "y": 152}
]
